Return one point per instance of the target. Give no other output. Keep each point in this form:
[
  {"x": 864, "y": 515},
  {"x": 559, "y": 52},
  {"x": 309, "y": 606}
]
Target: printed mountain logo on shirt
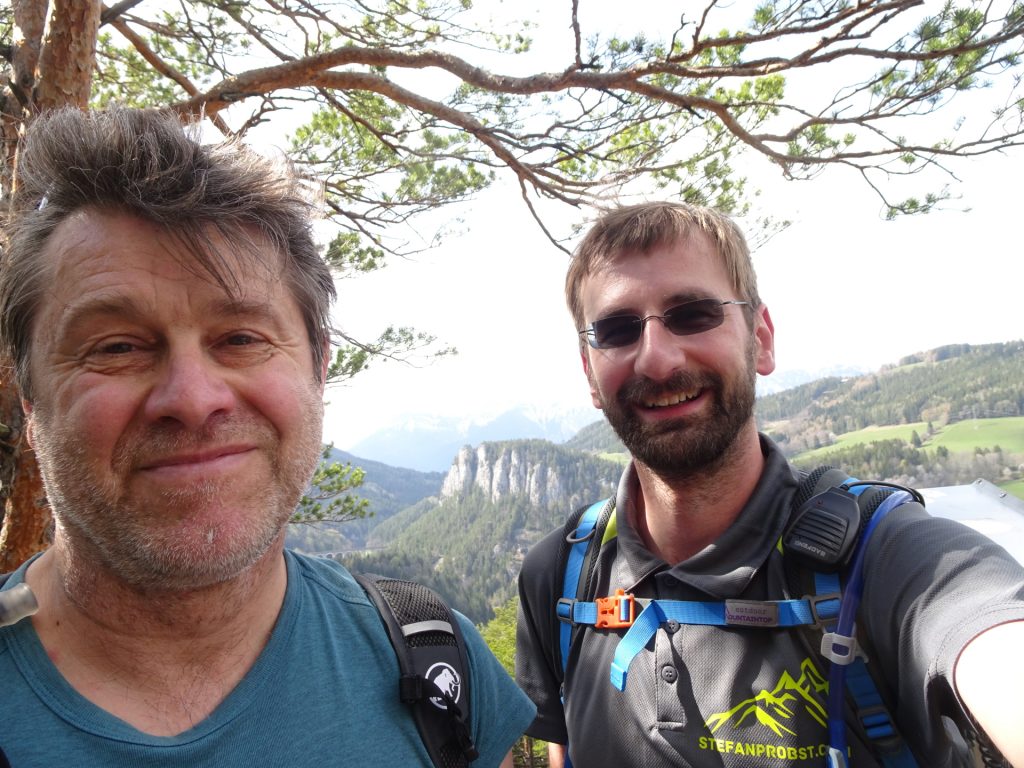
[{"x": 777, "y": 708}]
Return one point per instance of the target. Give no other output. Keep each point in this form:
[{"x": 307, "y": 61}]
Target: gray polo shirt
[{"x": 713, "y": 696}]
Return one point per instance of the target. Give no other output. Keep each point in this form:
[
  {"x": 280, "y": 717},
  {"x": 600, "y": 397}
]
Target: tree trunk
[
  {"x": 26, "y": 525},
  {"x": 68, "y": 56},
  {"x": 47, "y": 73}
]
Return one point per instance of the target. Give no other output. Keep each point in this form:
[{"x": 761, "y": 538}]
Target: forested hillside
[
  {"x": 944, "y": 386},
  {"x": 387, "y": 490},
  {"x": 597, "y": 438},
  {"x": 496, "y": 501}
]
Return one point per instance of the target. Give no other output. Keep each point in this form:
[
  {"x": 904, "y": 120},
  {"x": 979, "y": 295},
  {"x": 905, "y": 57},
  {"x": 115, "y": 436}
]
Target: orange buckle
[{"x": 615, "y": 611}]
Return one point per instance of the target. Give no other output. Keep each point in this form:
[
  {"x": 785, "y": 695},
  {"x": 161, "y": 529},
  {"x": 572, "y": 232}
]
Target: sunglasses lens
[
  {"x": 620, "y": 331},
  {"x": 695, "y": 317},
  {"x": 683, "y": 320}
]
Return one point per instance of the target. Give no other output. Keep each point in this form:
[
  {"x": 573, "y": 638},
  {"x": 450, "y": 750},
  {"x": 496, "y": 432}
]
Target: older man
[{"x": 166, "y": 311}]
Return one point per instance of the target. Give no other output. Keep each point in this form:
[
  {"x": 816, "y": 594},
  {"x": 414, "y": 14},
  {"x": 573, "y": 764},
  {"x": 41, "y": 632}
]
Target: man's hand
[{"x": 989, "y": 677}]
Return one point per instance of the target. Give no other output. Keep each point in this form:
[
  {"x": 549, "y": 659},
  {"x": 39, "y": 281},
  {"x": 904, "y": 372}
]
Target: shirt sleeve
[
  {"x": 931, "y": 586},
  {"x": 500, "y": 710},
  {"x": 538, "y": 666}
]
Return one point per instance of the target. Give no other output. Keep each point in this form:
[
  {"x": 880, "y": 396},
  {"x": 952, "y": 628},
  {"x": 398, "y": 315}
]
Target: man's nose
[
  {"x": 659, "y": 352},
  {"x": 191, "y": 387}
]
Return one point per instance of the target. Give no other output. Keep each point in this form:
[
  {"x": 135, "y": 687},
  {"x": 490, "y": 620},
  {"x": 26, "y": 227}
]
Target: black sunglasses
[{"x": 682, "y": 320}]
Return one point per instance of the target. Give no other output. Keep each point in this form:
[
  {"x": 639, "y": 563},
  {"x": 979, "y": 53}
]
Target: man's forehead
[
  {"x": 105, "y": 265},
  {"x": 679, "y": 243},
  {"x": 670, "y": 265},
  {"x": 94, "y": 239}
]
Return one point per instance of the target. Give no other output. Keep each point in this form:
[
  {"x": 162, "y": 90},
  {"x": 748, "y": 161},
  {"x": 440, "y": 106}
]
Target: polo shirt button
[
  {"x": 671, "y": 626},
  {"x": 669, "y": 674}
]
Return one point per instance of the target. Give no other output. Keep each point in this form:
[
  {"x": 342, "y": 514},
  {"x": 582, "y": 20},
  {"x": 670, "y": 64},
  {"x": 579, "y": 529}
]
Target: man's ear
[
  {"x": 325, "y": 364},
  {"x": 764, "y": 338}
]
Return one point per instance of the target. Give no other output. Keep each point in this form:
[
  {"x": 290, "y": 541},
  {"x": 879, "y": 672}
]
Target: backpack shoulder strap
[
  {"x": 582, "y": 537},
  {"x": 433, "y": 665},
  {"x": 815, "y": 522}
]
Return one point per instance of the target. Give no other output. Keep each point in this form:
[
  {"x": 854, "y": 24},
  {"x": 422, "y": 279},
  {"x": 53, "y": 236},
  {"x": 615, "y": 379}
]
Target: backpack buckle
[
  {"x": 564, "y": 610},
  {"x": 839, "y": 649},
  {"x": 616, "y": 611},
  {"x": 824, "y": 609},
  {"x": 836, "y": 759}
]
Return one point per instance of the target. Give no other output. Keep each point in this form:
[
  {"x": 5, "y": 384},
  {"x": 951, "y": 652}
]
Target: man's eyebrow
[
  {"x": 128, "y": 308},
  {"x": 121, "y": 306},
  {"x": 242, "y": 308},
  {"x": 685, "y": 297}
]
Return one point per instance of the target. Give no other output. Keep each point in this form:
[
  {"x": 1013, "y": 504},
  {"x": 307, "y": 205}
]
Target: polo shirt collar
[{"x": 726, "y": 567}]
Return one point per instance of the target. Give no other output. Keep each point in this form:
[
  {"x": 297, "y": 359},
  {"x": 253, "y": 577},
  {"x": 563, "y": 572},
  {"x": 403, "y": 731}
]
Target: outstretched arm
[
  {"x": 556, "y": 755},
  {"x": 989, "y": 677}
]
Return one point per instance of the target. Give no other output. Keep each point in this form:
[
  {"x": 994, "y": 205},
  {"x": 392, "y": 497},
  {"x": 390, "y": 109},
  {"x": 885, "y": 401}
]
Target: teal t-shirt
[{"x": 324, "y": 692}]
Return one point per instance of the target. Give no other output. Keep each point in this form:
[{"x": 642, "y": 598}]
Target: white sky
[{"x": 844, "y": 287}]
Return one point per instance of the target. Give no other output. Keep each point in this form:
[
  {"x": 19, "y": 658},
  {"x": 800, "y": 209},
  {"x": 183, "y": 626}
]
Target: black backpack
[{"x": 432, "y": 662}]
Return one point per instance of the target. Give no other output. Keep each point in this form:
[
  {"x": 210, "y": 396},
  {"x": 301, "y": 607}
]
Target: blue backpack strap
[
  {"x": 586, "y": 534},
  {"x": 848, "y": 673},
  {"x": 579, "y": 541}
]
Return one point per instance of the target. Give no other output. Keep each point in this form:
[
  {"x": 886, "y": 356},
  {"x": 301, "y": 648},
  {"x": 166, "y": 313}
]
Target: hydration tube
[
  {"x": 840, "y": 646},
  {"x": 16, "y": 603}
]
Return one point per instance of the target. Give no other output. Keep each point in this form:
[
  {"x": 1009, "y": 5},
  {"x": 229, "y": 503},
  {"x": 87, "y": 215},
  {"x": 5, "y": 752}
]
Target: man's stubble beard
[{"x": 97, "y": 518}]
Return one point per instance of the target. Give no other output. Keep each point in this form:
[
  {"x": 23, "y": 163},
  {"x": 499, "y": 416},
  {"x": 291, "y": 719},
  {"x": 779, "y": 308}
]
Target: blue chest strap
[{"x": 731, "y": 613}]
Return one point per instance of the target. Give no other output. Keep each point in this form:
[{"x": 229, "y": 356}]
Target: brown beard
[{"x": 679, "y": 449}]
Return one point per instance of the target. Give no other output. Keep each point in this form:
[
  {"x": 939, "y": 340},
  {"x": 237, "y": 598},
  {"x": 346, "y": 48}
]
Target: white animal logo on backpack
[{"x": 447, "y": 679}]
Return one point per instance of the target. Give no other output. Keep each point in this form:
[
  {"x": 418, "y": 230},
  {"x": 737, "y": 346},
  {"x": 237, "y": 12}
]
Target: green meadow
[
  {"x": 868, "y": 435},
  {"x": 961, "y": 437},
  {"x": 1016, "y": 488},
  {"x": 1007, "y": 433}
]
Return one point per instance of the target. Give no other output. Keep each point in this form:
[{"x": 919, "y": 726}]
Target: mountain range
[{"x": 943, "y": 417}]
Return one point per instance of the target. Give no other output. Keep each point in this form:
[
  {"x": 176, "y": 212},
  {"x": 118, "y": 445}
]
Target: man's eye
[
  {"x": 115, "y": 348},
  {"x": 241, "y": 339}
]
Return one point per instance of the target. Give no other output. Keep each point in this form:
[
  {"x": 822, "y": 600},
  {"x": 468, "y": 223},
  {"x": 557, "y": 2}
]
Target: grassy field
[
  {"x": 1016, "y": 488},
  {"x": 868, "y": 435},
  {"x": 963, "y": 436},
  {"x": 1007, "y": 433}
]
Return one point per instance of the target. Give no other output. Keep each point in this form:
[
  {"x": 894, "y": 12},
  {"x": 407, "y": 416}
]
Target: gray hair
[{"x": 147, "y": 164}]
